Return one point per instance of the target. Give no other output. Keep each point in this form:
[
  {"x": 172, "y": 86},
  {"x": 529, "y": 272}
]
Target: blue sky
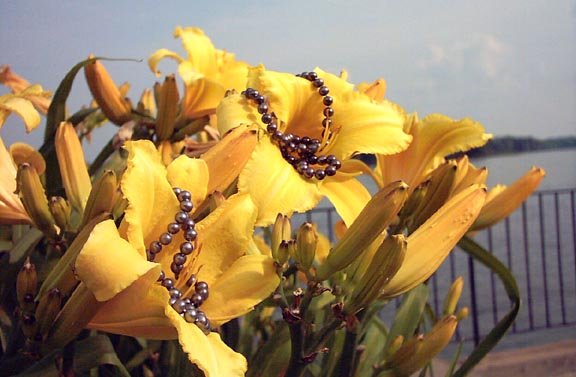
[{"x": 510, "y": 65}]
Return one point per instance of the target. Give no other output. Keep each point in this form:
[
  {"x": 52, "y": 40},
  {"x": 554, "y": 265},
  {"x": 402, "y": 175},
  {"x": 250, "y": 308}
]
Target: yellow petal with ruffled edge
[
  {"x": 435, "y": 137},
  {"x": 145, "y": 317},
  {"x": 10, "y": 103},
  {"x": 502, "y": 201},
  {"x": 159, "y": 55},
  {"x": 223, "y": 237},
  {"x": 347, "y": 194},
  {"x": 108, "y": 264},
  {"x": 189, "y": 174},
  {"x": 248, "y": 281},
  {"x": 431, "y": 243},
  {"x": 151, "y": 201},
  {"x": 207, "y": 352},
  {"x": 22, "y": 152},
  {"x": 235, "y": 110},
  {"x": 201, "y": 51},
  {"x": 274, "y": 185}
]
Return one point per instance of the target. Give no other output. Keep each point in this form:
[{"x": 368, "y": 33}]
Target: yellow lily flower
[
  {"x": 11, "y": 208},
  {"x": 21, "y": 104},
  {"x": 114, "y": 264},
  {"x": 434, "y": 137},
  {"x": 357, "y": 125},
  {"x": 18, "y": 84},
  {"x": 207, "y": 72}
]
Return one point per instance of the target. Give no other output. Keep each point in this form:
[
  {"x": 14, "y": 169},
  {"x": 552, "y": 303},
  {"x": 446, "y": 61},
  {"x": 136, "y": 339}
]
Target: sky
[{"x": 510, "y": 65}]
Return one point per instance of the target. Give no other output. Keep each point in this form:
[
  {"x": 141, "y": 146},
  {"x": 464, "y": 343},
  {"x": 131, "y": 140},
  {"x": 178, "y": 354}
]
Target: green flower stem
[{"x": 348, "y": 355}]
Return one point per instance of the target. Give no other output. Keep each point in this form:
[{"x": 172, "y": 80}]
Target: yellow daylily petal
[
  {"x": 223, "y": 237},
  {"x": 248, "y": 281},
  {"x": 145, "y": 317},
  {"x": 201, "y": 51},
  {"x": 108, "y": 264},
  {"x": 502, "y": 201},
  {"x": 189, "y": 174},
  {"x": 274, "y": 185},
  {"x": 159, "y": 55},
  {"x": 201, "y": 97},
  {"x": 19, "y": 85},
  {"x": 23, "y": 108},
  {"x": 209, "y": 352},
  {"x": 375, "y": 90},
  {"x": 22, "y": 152},
  {"x": 11, "y": 208},
  {"x": 235, "y": 110},
  {"x": 347, "y": 194},
  {"x": 431, "y": 243},
  {"x": 152, "y": 203}
]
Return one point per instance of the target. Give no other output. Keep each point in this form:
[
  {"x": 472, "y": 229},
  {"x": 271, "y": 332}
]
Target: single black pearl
[
  {"x": 181, "y": 217},
  {"x": 322, "y": 160},
  {"x": 330, "y": 171},
  {"x": 162, "y": 276},
  {"x": 186, "y": 247},
  {"x": 173, "y": 228},
  {"x": 330, "y": 159},
  {"x": 337, "y": 164},
  {"x": 313, "y": 147},
  {"x": 155, "y": 247},
  {"x": 189, "y": 305},
  {"x": 277, "y": 136},
  {"x": 262, "y": 108},
  {"x": 201, "y": 285},
  {"x": 179, "y": 258},
  {"x": 301, "y": 166},
  {"x": 253, "y": 94},
  {"x": 327, "y": 100},
  {"x": 165, "y": 238},
  {"x": 190, "y": 315},
  {"x": 323, "y": 90},
  {"x": 179, "y": 305},
  {"x": 312, "y": 159},
  {"x": 187, "y": 300},
  {"x": 176, "y": 190},
  {"x": 203, "y": 293},
  {"x": 320, "y": 174},
  {"x": 175, "y": 292},
  {"x": 184, "y": 195},
  {"x": 312, "y": 76},
  {"x": 190, "y": 234},
  {"x": 291, "y": 160},
  {"x": 318, "y": 83},
  {"x": 260, "y": 99},
  {"x": 168, "y": 283},
  {"x": 248, "y": 92},
  {"x": 309, "y": 173},
  {"x": 326, "y": 122},
  {"x": 196, "y": 299},
  {"x": 266, "y": 118},
  {"x": 176, "y": 268},
  {"x": 186, "y": 205},
  {"x": 191, "y": 280},
  {"x": 271, "y": 127},
  {"x": 150, "y": 256},
  {"x": 172, "y": 301},
  {"x": 328, "y": 111},
  {"x": 188, "y": 224}
]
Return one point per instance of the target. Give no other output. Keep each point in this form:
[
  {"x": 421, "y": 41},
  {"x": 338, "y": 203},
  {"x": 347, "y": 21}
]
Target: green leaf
[
  {"x": 25, "y": 244},
  {"x": 89, "y": 353},
  {"x": 374, "y": 336},
  {"x": 476, "y": 251},
  {"x": 409, "y": 314},
  {"x": 273, "y": 356}
]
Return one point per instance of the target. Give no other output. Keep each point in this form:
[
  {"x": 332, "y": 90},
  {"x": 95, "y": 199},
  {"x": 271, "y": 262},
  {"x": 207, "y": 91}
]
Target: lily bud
[
  {"x": 34, "y": 199},
  {"x": 462, "y": 313},
  {"x": 418, "y": 351},
  {"x": 48, "y": 308},
  {"x": 281, "y": 231},
  {"x": 386, "y": 262},
  {"x": 188, "y": 128},
  {"x": 75, "y": 176},
  {"x": 147, "y": 104},
  {"x": 283, "y": 252},
  {"x": 438, "y": 192},
  {"x": 167, "y": 108},
  {"x": 408, "y": 211},
  {"x": 60, "y": 209},
  {"x": 103, "y": 196},
  {"x": 27, "y": 286},
  {"x": 306, "y": 242},
  {"x": 106, "y": 93},
  {"x": 453, "y": 296},
  {"x": 371, "y": 222}
]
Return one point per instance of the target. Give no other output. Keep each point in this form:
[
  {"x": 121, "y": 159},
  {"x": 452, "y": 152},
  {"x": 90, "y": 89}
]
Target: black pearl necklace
[
  {"x": 301, "y": 152},
  {"x": 187, "y": 307}
]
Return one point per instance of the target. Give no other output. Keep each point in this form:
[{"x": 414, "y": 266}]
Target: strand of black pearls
[
  {"x": 187, "y": 307},
  {"x": 300, "y": 152}
]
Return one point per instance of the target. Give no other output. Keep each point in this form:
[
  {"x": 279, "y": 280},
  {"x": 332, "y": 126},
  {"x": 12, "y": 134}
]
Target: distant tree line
[{"x": 512, "y": 144}]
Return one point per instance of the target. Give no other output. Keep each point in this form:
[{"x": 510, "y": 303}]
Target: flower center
[
  {"x": 187, "y": 307},
  {"x": 301, "y": 152}
]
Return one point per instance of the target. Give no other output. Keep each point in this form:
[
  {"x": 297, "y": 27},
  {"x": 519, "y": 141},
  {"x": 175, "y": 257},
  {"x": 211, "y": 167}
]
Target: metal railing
[{"x": 537, "y": 243}]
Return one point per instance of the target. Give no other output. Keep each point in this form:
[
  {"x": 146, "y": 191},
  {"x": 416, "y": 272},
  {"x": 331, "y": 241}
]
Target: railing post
[{"x": 473, "y": 303}]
